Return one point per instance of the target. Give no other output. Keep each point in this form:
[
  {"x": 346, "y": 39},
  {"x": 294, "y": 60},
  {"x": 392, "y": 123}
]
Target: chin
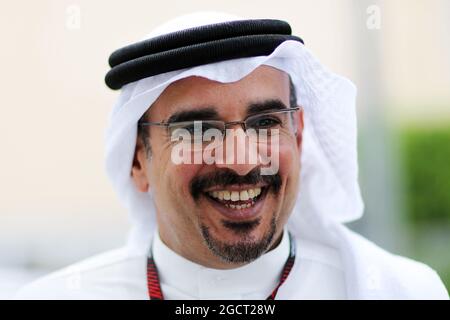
[{"x": 239, "y": 240}]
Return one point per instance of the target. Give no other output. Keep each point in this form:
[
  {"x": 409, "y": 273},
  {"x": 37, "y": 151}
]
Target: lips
[{"x": 238, "y": 204}]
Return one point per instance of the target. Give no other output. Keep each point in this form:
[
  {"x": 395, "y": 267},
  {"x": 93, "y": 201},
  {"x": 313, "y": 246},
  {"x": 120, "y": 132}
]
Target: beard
[{"x": 245, "y": 250}]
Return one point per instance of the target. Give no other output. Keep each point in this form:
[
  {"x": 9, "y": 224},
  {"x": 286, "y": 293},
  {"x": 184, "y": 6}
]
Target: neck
[{"x": 183, "y": 278}]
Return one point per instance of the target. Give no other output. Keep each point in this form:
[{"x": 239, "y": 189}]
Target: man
[{"x": 235, "y": 152}]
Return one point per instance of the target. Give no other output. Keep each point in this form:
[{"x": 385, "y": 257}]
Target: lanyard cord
[{"x": 154, "y": 287}]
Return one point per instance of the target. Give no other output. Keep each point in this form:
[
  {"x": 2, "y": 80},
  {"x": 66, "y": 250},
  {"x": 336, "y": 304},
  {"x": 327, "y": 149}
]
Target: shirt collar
[{"x": 256, "y": 280}]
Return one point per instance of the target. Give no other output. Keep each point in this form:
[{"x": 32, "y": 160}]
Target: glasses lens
[{"x": 195, "y": 134}]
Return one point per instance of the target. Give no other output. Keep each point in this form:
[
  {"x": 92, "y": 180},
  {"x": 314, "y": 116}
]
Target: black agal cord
[{"x": 196, "y": 46}]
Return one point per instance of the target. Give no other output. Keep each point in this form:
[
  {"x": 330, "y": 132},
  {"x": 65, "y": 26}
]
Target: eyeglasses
[{"x": 263, "y": 125}]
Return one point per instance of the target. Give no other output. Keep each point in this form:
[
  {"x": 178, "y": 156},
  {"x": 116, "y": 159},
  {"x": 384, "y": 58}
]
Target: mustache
[{"x": 226, "y": 177}]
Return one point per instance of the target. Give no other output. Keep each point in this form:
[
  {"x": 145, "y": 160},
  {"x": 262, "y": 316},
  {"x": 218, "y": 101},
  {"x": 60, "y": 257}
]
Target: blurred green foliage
[
  {"x": 426, "y": 163},
  {"x": 425, "y": 153}
]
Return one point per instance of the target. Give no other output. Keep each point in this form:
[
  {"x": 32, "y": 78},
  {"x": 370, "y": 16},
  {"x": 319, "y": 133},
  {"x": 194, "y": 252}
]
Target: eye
[
  {"x": 264, "y": 122},
  {"x": 197, "y": 127},
  {"x": 189, "y": 128},
  {"x": 206, "y": 126}
]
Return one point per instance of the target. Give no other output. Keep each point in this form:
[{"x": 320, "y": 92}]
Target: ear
[
  {"x": 140, "y": 166},
  {"x": 300, "y": 125}
]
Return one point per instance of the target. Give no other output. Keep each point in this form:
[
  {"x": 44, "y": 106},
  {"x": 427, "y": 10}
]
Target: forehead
[{"x": 264, "y": 83}]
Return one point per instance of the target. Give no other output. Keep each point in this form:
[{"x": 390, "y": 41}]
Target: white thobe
[
  {"x": 319, "y": 266},
  {"x": 341, "y": 264},
  {"x": 116, "y": 274}
]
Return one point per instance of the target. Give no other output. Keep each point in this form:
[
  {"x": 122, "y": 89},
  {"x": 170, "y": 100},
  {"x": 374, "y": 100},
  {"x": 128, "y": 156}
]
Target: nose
[{"x": 239, "y": 154}]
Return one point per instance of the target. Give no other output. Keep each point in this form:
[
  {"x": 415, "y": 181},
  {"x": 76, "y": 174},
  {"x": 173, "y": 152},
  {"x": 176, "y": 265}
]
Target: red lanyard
[{"x": 154, "y": 287}]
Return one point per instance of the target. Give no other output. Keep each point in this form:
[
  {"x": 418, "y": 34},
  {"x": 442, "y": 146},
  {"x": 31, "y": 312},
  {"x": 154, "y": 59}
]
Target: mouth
[{"x": 238, "y": 204}]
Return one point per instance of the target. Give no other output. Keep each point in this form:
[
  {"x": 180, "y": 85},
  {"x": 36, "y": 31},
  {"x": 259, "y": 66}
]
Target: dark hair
[
  {"x": 292, "y": 94},
  {"x": 144, "y": 132}
]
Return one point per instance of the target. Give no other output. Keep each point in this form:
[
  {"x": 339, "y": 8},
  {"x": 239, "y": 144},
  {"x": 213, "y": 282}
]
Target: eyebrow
[
  {"x": 208, "y": 113},
  {"x": 267, "y": 105}
]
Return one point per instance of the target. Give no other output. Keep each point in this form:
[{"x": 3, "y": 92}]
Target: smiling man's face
[{"x": 221, "y": 215}]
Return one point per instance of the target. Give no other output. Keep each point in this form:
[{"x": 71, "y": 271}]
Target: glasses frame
[{"x": 225, "y": 124}]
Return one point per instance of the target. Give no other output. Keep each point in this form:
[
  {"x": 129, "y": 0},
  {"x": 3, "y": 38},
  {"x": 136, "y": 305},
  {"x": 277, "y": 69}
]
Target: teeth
[
  {"x": 238, "y": 207},
  {"x": 243, "y": 195},
  {"x": 234, "y": 196}
]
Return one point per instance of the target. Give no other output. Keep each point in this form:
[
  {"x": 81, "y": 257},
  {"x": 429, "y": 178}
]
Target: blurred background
[{"x": 56, "y": 204}]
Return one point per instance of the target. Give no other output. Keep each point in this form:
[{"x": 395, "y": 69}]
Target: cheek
[
  {"x": 182, "y": 175},
  {"x": 289, "y": 160},
  {"x": 290, "y": 174},
  {"x": 165, "y": 175},
  {"x": 172, "y": 182},
  {"x": 289, "y": 168}
]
